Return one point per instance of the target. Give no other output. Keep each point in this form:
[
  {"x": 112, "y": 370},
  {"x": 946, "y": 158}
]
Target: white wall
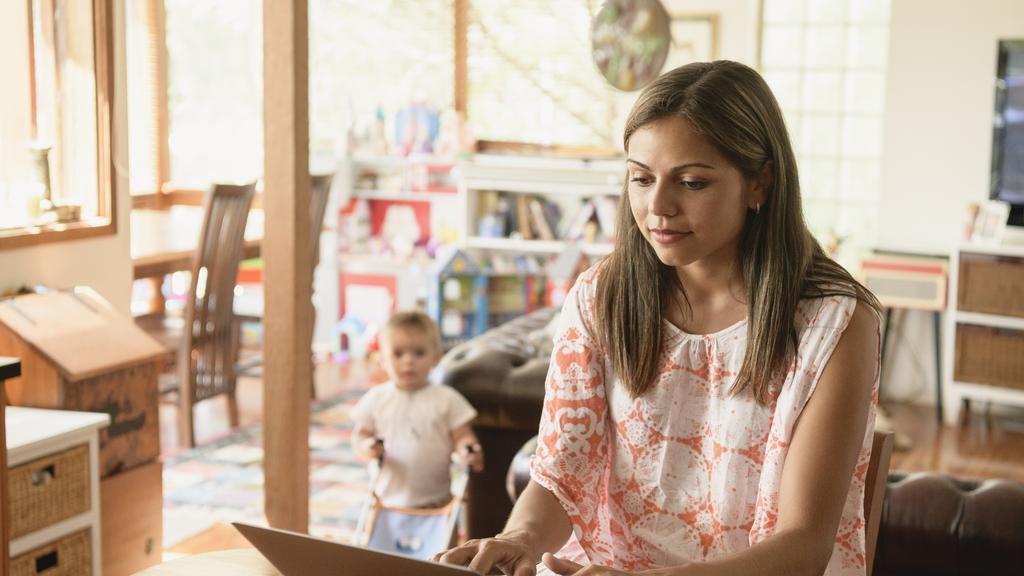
[
  {"x": 936, "y": 148},
  {"x": 104, "y": 263},
  {"x": 738, "y": 25},
  {"x": 937, "y": 138}
]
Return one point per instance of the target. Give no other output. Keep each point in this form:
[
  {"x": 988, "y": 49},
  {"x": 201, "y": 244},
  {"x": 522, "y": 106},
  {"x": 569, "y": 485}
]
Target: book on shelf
[
  {"x": 503, "y": 214},
  {"x": 493, "y": 210},
  {"x": 574, "y": 227},
  {"x": 539, "y": 220},
  {"x": 553, "y": 215},
  {"x": 523, "y": 218}
]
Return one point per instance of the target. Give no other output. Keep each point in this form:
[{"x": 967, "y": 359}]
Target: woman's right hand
[{"x": 506, "y": 552}]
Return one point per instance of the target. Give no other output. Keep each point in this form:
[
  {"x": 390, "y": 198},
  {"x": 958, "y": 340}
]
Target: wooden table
[
  {"x": 242, "y": 562},
  {"x": 164, "y": 241}
]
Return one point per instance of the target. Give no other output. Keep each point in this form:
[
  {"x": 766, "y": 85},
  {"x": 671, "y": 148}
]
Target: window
[
  {"x": 55, "y": 156},
  {"x": 531, "y": 77},
  {"x": 215, "y": 79},
  {"x": 147, "y": 96},
  {"x": 214, "y": 91},
  {"x": 368, "y": 60},
  {"x": 826, "y": 62}
]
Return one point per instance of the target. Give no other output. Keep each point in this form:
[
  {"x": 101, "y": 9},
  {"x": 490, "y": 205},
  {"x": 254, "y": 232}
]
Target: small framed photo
[{"x": 990, "y": 223}]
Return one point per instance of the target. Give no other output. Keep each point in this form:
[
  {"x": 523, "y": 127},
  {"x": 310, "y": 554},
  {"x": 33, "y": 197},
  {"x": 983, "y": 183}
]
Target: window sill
[{"x": 44, "y": 234}]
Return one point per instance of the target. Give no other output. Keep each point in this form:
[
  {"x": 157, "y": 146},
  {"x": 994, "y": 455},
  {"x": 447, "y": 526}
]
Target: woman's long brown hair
[{"x": 730, "y": 105}]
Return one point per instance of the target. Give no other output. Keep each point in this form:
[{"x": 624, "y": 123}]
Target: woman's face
[{"x": 688, "y": 200}]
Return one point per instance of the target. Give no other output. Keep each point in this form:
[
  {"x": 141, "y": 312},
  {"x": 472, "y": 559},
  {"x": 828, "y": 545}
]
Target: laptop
[{"x": 296, "y": 554}]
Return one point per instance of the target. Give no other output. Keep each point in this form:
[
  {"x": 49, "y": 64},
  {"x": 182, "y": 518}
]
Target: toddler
[{"x": 411, "y": 425}]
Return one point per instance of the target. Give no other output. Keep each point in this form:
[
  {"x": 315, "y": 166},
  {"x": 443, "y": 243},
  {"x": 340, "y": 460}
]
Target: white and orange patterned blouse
[{"x": 686, "y": 472}]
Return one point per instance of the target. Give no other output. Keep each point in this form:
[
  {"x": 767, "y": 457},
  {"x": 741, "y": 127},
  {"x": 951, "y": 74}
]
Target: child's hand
[
  {"x": 473, "y": 456},
  {"x": 371, "y": 448}
]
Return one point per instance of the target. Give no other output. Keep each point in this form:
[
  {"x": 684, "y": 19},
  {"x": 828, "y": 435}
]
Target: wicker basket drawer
[
  {"x": 48, "y": 490},
  {"x": 986, "y": 355},
  {"x": 69, "y": 556},
  {"x": 991, "y": 284}
]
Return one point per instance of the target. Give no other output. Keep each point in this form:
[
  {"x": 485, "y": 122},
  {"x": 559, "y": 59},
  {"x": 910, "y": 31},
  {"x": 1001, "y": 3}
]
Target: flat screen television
[{"x": 1008, "y": 130}]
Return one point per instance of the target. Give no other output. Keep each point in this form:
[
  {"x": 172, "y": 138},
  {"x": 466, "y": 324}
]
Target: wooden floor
[
  {"x": 212, "y": 422},
  {"x": 211, "y": 416},
  {"x": 982, "y": 448}
]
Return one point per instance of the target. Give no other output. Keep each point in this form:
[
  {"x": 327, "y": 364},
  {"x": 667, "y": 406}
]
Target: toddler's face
[{"x": 408, "y": 355}]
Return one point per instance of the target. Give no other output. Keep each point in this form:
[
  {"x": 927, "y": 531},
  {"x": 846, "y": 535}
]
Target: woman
[{"x": 711, "y": 394}]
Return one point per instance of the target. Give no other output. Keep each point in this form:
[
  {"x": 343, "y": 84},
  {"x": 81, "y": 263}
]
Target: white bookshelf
[
  {"x": 955, "y": 390},
  {"x": 566, "y": 182},
  {"x": 535, "y": 246}
]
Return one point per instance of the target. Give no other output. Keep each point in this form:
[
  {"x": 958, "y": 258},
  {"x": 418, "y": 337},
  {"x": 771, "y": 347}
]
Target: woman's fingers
[
  {"x": 489, "y": 553},
  {"x": 524, "y": 568},
  {"x": 560, "y": 566},
  {"x": 460, "y": 556},
  {"x": 481, "y": 556}
]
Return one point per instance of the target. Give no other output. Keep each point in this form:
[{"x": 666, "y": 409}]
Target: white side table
[{"x": 33, "y": 433}]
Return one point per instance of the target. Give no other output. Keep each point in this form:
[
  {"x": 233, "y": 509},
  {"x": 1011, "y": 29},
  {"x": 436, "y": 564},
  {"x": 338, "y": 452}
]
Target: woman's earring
[{"x": 757, "y": 208}]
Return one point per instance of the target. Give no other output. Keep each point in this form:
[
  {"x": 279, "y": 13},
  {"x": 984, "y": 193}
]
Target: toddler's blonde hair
[{"x": 413, "y": 320}]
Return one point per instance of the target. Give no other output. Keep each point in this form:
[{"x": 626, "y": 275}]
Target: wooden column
[
  {"x": 288, "y": 279},
  {"x": 461, "y": 52}
]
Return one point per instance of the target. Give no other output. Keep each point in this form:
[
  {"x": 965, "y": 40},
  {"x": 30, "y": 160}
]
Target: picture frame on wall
[
  {"x": 694, "y": 39},
  {"x": 990, "y": 223}
]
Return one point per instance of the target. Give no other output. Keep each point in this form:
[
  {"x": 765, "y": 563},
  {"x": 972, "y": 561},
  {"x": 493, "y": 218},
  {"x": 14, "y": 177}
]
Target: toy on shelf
[
  {"x": 353, "y": 336},
  {"x": 457, "y": 300},
  {"x": 431, "y": 176},
  {"x": 396, "y": 204}
]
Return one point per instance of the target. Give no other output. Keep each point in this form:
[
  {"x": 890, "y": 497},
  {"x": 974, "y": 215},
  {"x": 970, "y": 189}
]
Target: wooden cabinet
[
  {"x": 53, "y": 490},
  {"x": 78, "y": 353},
  {"x": 985, "y": 327}
]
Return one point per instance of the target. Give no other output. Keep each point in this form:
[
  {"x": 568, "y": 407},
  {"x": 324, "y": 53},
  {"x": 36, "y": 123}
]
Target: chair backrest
[
  {"x": 874, "y": 491},
  {"x": 319, "y": 192},
  {"x": 208, "y": 360}
]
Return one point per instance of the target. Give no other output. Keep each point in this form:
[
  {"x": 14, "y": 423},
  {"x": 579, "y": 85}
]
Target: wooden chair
[
  {"x": 874, "y": 492},
  {"x": 204, "y": 346},
  {"x": 320, "y": 192}
]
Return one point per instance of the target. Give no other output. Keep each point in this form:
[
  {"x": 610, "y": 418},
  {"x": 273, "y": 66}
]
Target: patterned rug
[{"x": 222, "y": 481}]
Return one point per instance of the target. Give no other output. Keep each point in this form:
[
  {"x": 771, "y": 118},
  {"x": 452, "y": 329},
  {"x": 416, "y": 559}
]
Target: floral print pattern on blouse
[{"x": 687, "y": 472}]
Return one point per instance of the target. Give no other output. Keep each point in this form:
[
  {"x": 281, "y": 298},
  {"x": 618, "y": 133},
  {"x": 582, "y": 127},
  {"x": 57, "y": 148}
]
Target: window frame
[{"x": 105, "y": 222}]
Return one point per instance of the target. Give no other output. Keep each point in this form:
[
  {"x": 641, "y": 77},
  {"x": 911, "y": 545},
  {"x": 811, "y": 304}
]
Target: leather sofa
[
  {"x": 501, "y": 373},
  {"x": 932, "y": 525}
]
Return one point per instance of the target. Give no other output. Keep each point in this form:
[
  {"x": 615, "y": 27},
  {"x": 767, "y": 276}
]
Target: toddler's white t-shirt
[{"x": 416, "y": 427}]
